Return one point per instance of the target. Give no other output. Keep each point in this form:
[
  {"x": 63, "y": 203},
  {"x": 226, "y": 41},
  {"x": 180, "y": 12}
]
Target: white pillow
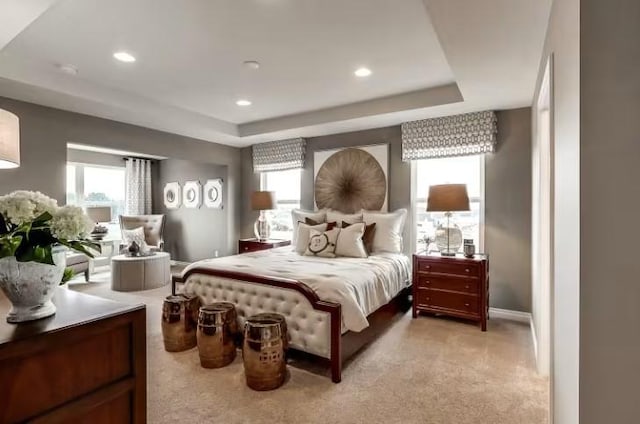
[
  {"x": 298, "y": 215},
  {"x": 137, "y": 235},
  {"x": 389, "y": 228},
  {"x": 338, "y": 217},
  {"x": 350, "y": 243},
  {"x": 302, "y": 238},
  {"x": 322, "y": 243}
]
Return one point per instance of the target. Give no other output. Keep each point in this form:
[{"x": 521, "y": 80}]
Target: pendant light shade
[{"x": 9, "y": 140}]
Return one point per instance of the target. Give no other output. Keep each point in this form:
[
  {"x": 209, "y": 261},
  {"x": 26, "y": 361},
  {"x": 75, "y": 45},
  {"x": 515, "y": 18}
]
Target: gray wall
[
  {"x": 95, "y": 158},
  {"x": 609, "y": 205},
  {"x": 508, "y": 191},
  {"x": 563, "y": 44},
  {"x": 508, "y": 211},
  {"x": 192, "y": 234},
  {"x": 45, "y": 132}
]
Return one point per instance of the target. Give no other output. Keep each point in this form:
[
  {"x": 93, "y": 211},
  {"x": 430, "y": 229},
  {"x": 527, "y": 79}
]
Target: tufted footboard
[{"x": 314, "y": 325}]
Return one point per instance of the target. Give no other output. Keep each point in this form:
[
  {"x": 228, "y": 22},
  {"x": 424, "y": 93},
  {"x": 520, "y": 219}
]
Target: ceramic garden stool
[
  {"x": 216, "y": 338},
  {"x": 179, "y": 322},
  {"x": 263, "y": 352}
]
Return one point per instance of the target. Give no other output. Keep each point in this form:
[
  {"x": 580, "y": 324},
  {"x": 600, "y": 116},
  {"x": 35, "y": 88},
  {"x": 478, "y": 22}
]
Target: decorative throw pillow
[
  {"x": 349, "y": 241},
  {"x": 330, "y": 225},
  {"x": 367, "y": 238},
  {"x": 337, "y": 216},
  {"x": 389, "y": 228},
  {"x": 299, "y": 215},
  {"x": 137, "y": 235},
  {"x": 322, "y": 243},
  {"x": 302, "y": 238}
]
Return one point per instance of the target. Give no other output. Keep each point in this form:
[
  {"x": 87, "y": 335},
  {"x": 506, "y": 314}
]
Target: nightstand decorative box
[
  {"x": 254, "y": 245},
  {"x": 452, "y": 285}
]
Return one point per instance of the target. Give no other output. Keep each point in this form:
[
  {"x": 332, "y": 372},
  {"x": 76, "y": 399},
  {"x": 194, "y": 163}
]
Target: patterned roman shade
[
  {"x": 279, "y": 155},
  {"x": 458, "y": 135}
]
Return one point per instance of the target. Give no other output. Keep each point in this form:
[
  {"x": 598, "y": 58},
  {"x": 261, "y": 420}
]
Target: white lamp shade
[{"x": 9, "y": 140}]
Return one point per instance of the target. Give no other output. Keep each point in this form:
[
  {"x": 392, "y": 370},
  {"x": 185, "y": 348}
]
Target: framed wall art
[
  {"x": 172, "y": 195},
  {"x": 352, "y": 178},
  {"x": 213, "y": 193},
  {"x": 192, "y": 194}
]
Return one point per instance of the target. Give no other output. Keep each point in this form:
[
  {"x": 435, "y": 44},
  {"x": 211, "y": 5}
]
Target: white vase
[{"x": 31, "y": 285}]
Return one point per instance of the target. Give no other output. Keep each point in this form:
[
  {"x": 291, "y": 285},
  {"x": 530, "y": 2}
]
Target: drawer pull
[
  {"x": 428, "y": 266},
  {"x": 427, "y": 282},
  {"x": 428, "y": 298},
  {"x": 467, "y": 286},
  {"x": 467, "y": 270},
  {"x": 467, "y": 305}
]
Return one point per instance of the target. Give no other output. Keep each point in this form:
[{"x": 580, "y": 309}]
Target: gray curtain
[
  {"x": 279, "y": 155},
  {"x": 458, "y": 135},
  {"x": 137, "y": 186}
]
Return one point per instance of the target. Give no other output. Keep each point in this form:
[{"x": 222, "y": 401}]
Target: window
[
  {"x": 95, "y": 185},
  {"x": 286, "y": 184},
  {"x": 467, "y": 170}
]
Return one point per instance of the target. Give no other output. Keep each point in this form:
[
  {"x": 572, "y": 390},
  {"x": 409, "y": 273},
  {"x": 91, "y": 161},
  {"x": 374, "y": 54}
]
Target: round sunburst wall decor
[{"x": 350, "y": 180}]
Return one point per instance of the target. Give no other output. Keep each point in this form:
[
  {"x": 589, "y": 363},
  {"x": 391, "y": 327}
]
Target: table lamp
[
  {"x": 448, "y": 198},
  {"x": 262, "y": 201},
  {"x": 99, "y": 214}
]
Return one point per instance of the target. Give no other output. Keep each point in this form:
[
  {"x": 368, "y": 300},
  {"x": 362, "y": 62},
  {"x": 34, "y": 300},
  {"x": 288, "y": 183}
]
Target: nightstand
[
  {"x": 254, "y": 245},
  {"x": 451, "y": 285}
]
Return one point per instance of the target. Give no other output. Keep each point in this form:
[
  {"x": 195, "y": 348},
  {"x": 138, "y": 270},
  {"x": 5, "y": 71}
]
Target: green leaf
[
  {"x": 80, "y": 246},
  {"x": 68, "y": 275},
  {"x": 9, "y": 245}
]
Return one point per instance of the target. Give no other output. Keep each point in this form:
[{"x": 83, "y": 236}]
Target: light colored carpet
[{"x": 427, "y": 370}]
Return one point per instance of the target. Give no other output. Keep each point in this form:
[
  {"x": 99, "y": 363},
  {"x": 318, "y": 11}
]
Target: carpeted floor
[{"x": 427, "y": 370}]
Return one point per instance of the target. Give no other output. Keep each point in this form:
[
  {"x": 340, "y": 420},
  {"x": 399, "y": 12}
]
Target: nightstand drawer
[
  {"x": 441, "y": 267},
  {"x": 463, "y": 285},
  {"x": 447, "y": 300}
]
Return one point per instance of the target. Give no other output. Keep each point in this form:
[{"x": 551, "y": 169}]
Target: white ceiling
[{"x": 428, "y": 58}]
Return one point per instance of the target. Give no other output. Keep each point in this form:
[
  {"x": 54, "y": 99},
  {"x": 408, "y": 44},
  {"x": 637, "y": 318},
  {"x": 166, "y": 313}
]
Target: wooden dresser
[
  {"x": 85, "y": 364},
  {"x": 254, "y": 245},
  {"x": 452, "y": 285}
]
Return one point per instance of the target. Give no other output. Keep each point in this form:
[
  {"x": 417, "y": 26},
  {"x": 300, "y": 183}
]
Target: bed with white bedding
[{"x": 321, "y": 298}]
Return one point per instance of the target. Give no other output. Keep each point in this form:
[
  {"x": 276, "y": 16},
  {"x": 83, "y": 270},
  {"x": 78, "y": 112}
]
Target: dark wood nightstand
[
  {"x": 254, "y": 245},
  {"x": 451, "y": 285}
]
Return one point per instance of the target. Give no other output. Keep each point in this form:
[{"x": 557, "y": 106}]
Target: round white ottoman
[{"x": 140, "y": 272}]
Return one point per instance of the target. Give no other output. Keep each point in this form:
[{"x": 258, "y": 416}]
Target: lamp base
[
  {"x": 448, "y": 239},
  {"x": 262, "y": 227}
]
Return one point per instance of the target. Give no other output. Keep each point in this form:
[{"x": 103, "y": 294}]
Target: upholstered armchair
[{"x": 153, "y": 226}]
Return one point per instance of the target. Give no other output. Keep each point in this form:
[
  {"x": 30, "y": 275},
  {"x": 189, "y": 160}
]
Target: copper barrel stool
[
  {"x": 283, "y": 325},
  {"x": 234, "y": 327},
  {"x": 179, "y": 320},
  {"x": 263, "y": 353},
  {"x": 216, "y": 341}
]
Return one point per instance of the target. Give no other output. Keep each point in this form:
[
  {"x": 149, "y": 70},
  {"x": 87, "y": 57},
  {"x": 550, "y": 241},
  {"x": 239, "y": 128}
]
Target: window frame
[
  {"x": 283, "y": 202},
  {"x": 415, "y": 200}
]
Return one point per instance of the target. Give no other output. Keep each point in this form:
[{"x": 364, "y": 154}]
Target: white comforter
[{"x": 360, "y": 285}]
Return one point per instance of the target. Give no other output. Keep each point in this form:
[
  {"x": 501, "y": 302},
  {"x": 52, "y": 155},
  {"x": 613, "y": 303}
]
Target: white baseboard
[{"x": 510, "y": 315}]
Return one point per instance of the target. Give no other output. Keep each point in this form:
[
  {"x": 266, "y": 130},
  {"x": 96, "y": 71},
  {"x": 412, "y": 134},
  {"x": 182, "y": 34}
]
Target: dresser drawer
[
  {"x": 463, "y": 285},
  {"x": 463, "y": 303},
  {"x": 469, "y": 269}
]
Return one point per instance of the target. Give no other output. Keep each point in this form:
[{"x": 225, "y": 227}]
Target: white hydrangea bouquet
[{"x": 34, "y": 231}]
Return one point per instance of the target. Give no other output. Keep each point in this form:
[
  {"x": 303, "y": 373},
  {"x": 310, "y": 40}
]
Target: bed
[{"x": 326, "y": 301}]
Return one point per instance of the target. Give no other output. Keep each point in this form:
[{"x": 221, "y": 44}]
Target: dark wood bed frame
[{"x": 343, "y": 346}]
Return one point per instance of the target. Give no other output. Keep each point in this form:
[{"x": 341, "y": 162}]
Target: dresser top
[
  {"x": 459, "y": 256},
  {"x": 73, "y": 309}
]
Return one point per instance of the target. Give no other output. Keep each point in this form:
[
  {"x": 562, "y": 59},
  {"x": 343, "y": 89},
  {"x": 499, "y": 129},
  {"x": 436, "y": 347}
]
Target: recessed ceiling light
[
  {"x": 362, "y": 72},
  {"x": 124, "y": 57},
  {"x": 68, "y": 69},
  {"x": 243, "y": 102},
  {"x": 251, "y": 64}
]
